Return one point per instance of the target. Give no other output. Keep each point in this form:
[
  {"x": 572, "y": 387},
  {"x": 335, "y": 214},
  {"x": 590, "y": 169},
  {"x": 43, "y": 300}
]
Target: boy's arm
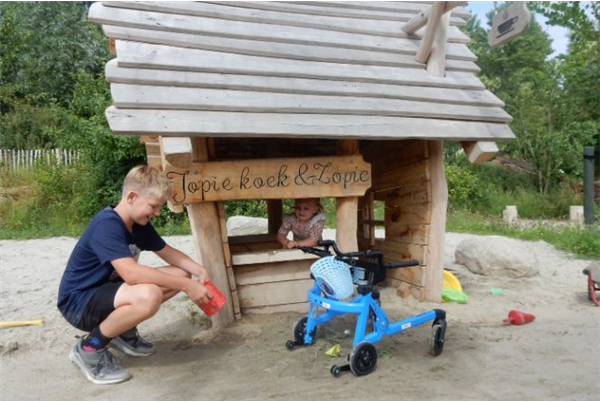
[
  {"x": 136, "y": 274},
  {"x": 179, "y": 259}
]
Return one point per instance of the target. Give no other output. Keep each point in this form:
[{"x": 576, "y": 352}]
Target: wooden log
[
  {"x": 436, "y": 64},
  {"x": 152, "y": 97},
  {"x": 177, "y": 150},
  {"x": 407, "y": 214},
  {"x": 142, "y": 55},
  {"x": 346, "y": 213},
  {"x": 419, "y": 20},
  {"x": 406, "y": 195},
  {"x": 479, "y": 151},
  {"x": 402, "y": 176},
  {"x": 207, "y": 123},
  {"x": 275, "y": 293},
  {"x": 204, "y": 221},
  {"x": 343, "y": 10},
  {"x": 433, "y": 20},
  {"x": 403, "y": 251},
  {"x": 406, "y": 233},
  {"x": 261, "y": 32},
  {"x": 272, "y": 272},
  {"x": 136, "y": 76},
  {"x": 432, "y": 280},
  {"x": 325, "y": 22}
]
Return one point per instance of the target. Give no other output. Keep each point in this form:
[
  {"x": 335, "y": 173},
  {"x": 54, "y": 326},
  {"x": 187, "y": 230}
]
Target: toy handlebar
[{"x": 347, "y": 256}]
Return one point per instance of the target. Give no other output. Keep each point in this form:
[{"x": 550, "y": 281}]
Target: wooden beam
[
  {"x": 206, "y": 230},
  {"x": 433, "y": 21},
  {"x": 433, "y": 273},
  {"x": 420, "y": 19},
  {"x": 274, "y": 213},
  {"x": 346, "y": 213},
  {"x": 177, "y": 150},
  {"x": 479, "y": 151},
  {"x": 436, "y": 64}
]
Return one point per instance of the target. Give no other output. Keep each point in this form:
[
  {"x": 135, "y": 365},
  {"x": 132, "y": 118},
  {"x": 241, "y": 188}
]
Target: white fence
[{"x": 17, "y": 159}]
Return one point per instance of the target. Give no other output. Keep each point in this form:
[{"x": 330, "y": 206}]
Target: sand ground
[{"x": 557, "y": 357}]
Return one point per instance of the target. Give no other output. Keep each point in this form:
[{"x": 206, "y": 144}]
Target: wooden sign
[
  {"x": 509, "y": 23},
  {"x": 329, "y": 176}
]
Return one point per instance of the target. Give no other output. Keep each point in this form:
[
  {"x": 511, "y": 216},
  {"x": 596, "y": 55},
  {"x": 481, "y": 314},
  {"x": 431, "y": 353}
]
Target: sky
[{"x": 559, "y": 35}]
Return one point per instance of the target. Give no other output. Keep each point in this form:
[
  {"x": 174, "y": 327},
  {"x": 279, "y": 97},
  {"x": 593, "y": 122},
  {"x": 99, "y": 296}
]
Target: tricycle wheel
[
  {"x": 289, "y": 345},
  {"x": 436, "y": 341},
  {"x": 300, "y": 330},
  {"x": 363, "y": 359},
  {"x": 335, "y": 371}
]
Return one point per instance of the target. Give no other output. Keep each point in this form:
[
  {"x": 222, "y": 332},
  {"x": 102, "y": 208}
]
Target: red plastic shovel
[{"x": 516, "y": 317}]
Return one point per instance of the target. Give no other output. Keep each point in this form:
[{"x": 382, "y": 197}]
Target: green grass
[{"x": 582, "y": 242}]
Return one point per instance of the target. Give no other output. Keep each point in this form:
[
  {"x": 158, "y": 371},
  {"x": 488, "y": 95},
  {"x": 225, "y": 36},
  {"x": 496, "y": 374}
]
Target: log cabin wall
[{"x": 402, "y": 179}]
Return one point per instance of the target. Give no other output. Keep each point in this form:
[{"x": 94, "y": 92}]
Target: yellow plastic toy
[{"x": 449, "y": 281}]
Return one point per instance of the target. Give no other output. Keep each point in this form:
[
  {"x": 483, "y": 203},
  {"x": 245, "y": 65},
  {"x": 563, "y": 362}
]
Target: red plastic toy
[
  {"x": 516, "y": 317},
  {"x": 216, "y": 303}
]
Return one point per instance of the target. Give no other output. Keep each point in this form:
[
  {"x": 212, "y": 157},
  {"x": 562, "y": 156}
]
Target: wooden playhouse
[{"x": 276, "y": 100}]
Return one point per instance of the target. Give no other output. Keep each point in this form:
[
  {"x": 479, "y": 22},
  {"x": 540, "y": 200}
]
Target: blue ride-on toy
[{"x": 335, "y": 277}]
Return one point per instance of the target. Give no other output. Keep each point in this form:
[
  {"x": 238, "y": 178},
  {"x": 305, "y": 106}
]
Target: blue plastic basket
[{"x": 333, "y": 277}]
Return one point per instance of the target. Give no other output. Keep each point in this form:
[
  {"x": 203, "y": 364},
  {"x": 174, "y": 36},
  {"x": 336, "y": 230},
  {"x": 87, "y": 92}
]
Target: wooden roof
[{"x": 290, "y": 69}]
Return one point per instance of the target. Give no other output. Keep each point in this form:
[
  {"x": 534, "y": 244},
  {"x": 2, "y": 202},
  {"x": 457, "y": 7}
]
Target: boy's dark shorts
[{"x": 100, "y": 306}]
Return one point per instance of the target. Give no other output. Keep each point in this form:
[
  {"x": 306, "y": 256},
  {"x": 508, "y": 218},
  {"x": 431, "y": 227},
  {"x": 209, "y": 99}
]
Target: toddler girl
[{"x": 306, "y": 224}]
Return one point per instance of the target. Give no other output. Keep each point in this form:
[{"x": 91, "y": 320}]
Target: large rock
[
  {"x": 244, "y": 225},
  {"x": 497, "y": 256}
]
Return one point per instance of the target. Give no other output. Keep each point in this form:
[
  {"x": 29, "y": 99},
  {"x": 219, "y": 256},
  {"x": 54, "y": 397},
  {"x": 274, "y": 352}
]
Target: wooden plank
[
  {"x": 135, "y": 76},
  {"x": 254, "y": 247},
  {"x": 432, "y": 280},
  {"x": 260, "y": 125},
  {"x": 346, "y": 212},
  {"x": 203, "y": 9},
  {"x": 388, "y": 6},
  {"x": 205, "y": 225},
  {"x": 341, "y": 11},
  {"x": 276, "y": 293},
  {"x": 402, "y": 251},
  {"x": 262, "y": 32},
  {"x": 392, "y": 155},
  {"x": 259, "y": 238},
  {"x": 270, "y": 257},
  {"x": 407, "y": 195},
  {"x": 433, "y": 20},
  {"x": 436, "y": 64},
  {"x": 152, "y": 97},
  {"x": 402, "y": 176},
  {"x": 329, "y": 54},
  {"x": 282, "y": 308},
  {"x": 405, "y": 233},
  {"x": 333, "y": 176},
  {"x": 142, "y": 55},
  {"x": 480, "y": 151},
  {"x": 272, "y": 272},
  {"x": 177, "y": 150},
  {"x": 419, "y": 20},
  {"x": 417, "y": 213}
]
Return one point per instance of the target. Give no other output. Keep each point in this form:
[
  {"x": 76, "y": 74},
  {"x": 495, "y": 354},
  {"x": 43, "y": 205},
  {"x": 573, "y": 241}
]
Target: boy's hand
[
  {"x": 198, "y": 293},
  {"x": 202, "y": 275}
]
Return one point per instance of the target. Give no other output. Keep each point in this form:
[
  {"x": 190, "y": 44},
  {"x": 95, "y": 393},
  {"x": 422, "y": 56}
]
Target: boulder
[
  {"x": 244, "y": 225},
  {"x": 497, "y": 256}
]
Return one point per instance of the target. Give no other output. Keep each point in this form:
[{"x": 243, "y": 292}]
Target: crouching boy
[{"x": 105, "y": 292}]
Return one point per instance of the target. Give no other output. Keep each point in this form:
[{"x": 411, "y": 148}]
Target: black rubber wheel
[
  {"x": 335, "y": 371},
  {"x": 289, "y": 345},
  {"x": 300, "y": 330},
  {"x": 436, "y": 341},
  {"x": 363, "y": 359}
]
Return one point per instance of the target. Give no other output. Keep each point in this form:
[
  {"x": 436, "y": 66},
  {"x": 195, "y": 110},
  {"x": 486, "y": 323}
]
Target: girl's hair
[
  {"x": 317, "y": 202},
  {"x": 147, "y": 182}
]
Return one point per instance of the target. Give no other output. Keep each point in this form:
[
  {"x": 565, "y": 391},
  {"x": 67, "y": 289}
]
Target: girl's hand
[{"x": 291, "y": 244}]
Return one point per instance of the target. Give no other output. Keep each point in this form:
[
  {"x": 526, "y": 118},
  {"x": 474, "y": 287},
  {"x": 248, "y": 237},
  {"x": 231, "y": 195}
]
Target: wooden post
[
  {"x": 436, "y": 64},
  {"x": 433, "y": 21},
  {"x": 206, "y": 230},
  {"x": 346, "y": 213},
  {"x": 275, "y": 212},
  {"x": 433, "y": 273}
]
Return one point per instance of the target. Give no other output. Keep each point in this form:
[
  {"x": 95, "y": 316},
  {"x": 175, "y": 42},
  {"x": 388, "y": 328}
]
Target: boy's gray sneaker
[
  {"x": 133, "y": 344},
  {"x": 98, "y": 365}
]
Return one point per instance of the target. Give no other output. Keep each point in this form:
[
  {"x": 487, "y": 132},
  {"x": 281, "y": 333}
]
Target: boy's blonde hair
[{"x": 147, "y": 182}]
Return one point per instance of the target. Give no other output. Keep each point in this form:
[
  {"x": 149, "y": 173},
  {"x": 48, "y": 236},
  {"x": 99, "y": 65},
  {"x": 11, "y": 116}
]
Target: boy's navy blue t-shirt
[{"x": 105, "y": 239}]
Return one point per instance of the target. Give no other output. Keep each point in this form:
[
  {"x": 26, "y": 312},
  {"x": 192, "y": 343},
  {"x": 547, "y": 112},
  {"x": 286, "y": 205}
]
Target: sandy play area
[{"x": 557, "y": 357}]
